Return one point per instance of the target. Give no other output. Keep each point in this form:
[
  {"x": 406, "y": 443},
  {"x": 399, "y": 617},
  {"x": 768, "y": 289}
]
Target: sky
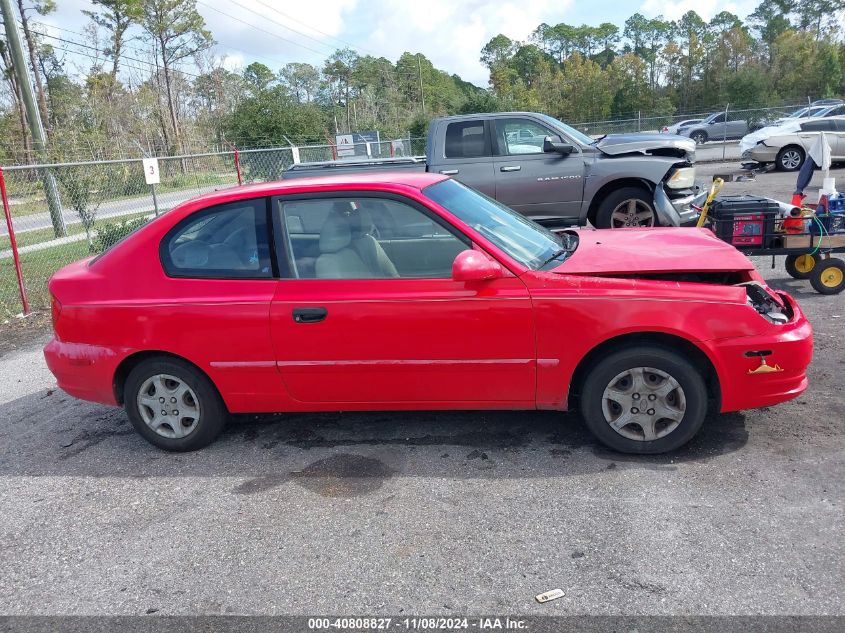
[{"x": 450, "y": 33}]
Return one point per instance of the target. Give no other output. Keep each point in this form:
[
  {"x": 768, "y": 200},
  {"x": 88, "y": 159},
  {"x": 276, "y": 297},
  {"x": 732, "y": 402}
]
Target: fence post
[
  {"x": 725, "y": 132},
  {"x": 639, "y": 120},
  {"x": 294, "y": 154},
  {"x": 238, "y": 166},
  {"x": 14, "y": 243}
]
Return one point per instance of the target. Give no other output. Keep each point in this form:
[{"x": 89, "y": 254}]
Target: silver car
[
  {"x": 716, "y": 127},
  {"x": 786, "y": 145},
  {"x": 673, "y": 129}
]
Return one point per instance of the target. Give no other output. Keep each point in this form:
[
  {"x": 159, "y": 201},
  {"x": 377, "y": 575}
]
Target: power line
[
  {"x": 258, "y": 28},
  {"x": 316, "y": 30},
  {"x": 94, "y": 48}
]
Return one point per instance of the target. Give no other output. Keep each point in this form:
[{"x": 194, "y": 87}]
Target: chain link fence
[
  {"x": 61, "y": 212},
  {"x": 645, "y": 122}
]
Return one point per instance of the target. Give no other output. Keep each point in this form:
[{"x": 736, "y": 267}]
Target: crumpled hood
[
  {"x": 651, "y": 250},
  {"x": 615, "y": 144}
]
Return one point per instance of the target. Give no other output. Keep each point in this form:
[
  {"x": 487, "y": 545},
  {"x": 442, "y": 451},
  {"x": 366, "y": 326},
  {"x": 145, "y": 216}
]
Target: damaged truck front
[{"x": 551, "y": 172}]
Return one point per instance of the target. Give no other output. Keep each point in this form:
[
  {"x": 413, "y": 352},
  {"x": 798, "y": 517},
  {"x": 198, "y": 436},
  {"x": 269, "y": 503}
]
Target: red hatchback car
[{"x": 412, "y": 291}]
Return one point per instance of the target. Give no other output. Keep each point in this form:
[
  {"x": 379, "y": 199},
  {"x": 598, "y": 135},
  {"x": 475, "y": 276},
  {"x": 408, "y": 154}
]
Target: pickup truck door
[
  {"x": 464, "y": 152},
  {"x": 542, "y": 186}
]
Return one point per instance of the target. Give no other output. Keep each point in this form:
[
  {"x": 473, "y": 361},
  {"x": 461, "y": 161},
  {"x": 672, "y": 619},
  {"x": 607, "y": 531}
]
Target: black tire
[
  {"x": 699, "y": 136},
  {"x": 800, "y": 266},
  {"x": 211, "y": 413},
  {"x": 828, "y": 276},
  {"x": 785, "y": 160},
  {"x": 601, "y": 376},
  {"x": 606, "y": 207}
]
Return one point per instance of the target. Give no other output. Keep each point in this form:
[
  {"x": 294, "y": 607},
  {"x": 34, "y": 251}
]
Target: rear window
[
  {"x": 465, "y": 139},
  {"x": 818, "y": 126},
  {"x": 224, "y": 241}
]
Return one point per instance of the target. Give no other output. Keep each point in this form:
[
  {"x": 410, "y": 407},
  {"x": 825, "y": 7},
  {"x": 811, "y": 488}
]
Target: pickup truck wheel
[
  {"x": 628, "y": 206},
  {"x": 644, "y": 399}
]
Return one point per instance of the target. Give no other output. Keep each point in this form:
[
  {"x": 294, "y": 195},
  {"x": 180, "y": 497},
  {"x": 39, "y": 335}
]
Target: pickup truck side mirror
[{"x": 550, "y": 145}]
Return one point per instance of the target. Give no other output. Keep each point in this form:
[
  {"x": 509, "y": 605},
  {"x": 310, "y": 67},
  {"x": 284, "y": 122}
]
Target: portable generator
[{"x": 745, "y": 221}]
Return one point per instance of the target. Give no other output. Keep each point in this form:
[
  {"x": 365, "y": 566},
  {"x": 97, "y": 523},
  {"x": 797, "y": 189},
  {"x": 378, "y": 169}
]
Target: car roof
[{"x": 372, "y": 180}]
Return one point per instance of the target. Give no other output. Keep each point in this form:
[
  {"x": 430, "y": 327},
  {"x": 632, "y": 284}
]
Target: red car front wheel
[{"x": 644, "y": 399}]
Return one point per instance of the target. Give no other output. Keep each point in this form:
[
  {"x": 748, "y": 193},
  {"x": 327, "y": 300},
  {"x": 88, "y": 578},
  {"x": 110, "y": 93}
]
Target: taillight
[{"x": 55, "y": 310}]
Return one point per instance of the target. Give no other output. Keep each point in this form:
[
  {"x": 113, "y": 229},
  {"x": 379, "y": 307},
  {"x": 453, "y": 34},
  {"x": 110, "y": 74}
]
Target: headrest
[{"x": 335, "y": 235}]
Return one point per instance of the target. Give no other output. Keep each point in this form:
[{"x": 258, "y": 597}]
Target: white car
[{"x": 786, "y": 145}]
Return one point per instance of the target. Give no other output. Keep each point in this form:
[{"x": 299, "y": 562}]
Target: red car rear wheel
[{"x": 173, "y": 405}]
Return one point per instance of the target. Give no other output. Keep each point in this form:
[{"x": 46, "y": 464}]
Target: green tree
[
  {"x": 116, "y": 17},
  {"x": 177, "y": 32},
  {"x": 258, "y": 77},
  {"x": 497, "y": 50}
]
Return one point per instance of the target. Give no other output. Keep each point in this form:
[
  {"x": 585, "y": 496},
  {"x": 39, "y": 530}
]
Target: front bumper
[
  {"x": 791, "y": 347},
  {"x": 761, "y": 153},
  {"x": 674, "y": 211}
]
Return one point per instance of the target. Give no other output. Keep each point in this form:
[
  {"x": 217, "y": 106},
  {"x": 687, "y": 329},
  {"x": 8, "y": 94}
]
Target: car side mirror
[
  {"x": 550, "y": 146},
  {"x": 475, "y": 266}
]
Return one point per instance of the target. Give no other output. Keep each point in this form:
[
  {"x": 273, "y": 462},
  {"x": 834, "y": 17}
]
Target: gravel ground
[{"x": 425, "y": 513}]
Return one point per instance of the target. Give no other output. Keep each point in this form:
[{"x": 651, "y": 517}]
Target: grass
[
  {"x": 45, "y": 235},
  {"x": 37, "y": 268},
  {"x": 36, "y": 202}
]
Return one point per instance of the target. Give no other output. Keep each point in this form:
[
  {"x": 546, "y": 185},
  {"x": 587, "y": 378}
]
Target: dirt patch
[{"x": 20, "y": 333}]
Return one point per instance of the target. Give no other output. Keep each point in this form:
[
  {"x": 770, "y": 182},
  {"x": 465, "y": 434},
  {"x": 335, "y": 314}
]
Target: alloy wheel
[
  {"x": 632, "y": 212},
  {"x": 168, "y": 406},
  {"x": 643, "y": 404},
  {"x": 791, "y": 159}
]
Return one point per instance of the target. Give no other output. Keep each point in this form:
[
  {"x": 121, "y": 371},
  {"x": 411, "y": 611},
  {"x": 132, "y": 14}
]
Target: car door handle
[
  {"x": 449, "y": 172},
  {"x": 510, "y": 168},
  {"x": 309, "y": 315}
]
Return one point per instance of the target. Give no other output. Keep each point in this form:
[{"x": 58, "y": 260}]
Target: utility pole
[
  {"x": 422, "y": 92},
  {"x": 36, "y": 128}
]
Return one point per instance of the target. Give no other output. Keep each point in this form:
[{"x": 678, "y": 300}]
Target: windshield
[
  {"x": 568, "y": 130},
  {"x": 525, "y": 241}
]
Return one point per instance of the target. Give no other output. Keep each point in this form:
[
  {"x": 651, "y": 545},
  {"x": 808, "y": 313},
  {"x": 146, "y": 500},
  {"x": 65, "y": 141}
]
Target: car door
[
  {"x": 837, "y": 143},
  {"x": 716, "y": 127},
  {"x": 811, "y": 130},
  {"x": 465, "y": 154},
  {"x": 382, "y": 323},
  {"x": 216, "y": 309},
  {"x": 736, "y": 125},
  {"x": 540, "y": 185}
]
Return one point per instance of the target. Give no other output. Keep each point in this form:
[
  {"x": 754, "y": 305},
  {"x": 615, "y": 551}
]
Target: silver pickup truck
[{"x": 550, "y": 172}]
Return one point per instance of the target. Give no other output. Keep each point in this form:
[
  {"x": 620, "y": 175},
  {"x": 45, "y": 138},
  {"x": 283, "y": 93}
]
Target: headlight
[{"x": 682, "y": 178}]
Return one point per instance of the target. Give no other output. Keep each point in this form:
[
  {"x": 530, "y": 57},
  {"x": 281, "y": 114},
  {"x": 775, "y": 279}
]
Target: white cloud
[
  {"x": 276, "y": 33},
  {"x": 451, "y": 34}
]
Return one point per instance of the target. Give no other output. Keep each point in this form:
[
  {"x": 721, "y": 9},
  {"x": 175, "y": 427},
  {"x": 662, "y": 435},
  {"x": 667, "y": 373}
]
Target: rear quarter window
[{"x": 220, "y": 242}]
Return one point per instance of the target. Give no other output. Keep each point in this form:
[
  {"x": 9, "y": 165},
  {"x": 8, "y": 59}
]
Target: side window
[
  {"x": 818, "y": 126},
  {"x": 225, "y": 241},
  {"x": 365, "y": 238},
  {"x": 521, "y": 136},
  {"x": 719, "y": 119},
  {"x": 465, "y": 139}
]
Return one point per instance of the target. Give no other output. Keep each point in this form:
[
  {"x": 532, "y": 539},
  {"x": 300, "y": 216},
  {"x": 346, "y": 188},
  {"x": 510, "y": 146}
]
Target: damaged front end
[{"x": 767, "y": 303}]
